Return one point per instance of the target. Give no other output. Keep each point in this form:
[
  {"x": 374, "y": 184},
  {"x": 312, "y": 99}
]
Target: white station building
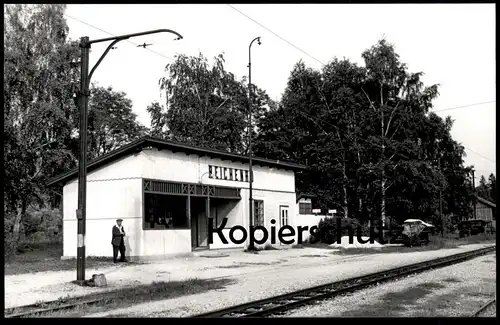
[{"x": 165, "y": 192}]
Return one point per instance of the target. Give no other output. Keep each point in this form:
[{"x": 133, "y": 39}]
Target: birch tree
[
  {"x": 205, "y": 105},
  {"x": 390, "y": 89}
]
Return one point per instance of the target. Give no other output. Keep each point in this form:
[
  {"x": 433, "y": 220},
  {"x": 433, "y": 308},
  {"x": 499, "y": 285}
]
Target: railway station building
[
  {"x": 486, "y": 210},
  {"x": 165, "y": 192}
]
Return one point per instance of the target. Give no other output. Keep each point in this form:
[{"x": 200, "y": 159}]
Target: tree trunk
[
  {"x": 360, "y": 200},
  {"x": 344, "y": 187},
  {"x": 382, "y": 201},
  {"x": 383, "y": 180},
  {"x": 360, "y": 207},
  {"x": 17, "y": 227}
]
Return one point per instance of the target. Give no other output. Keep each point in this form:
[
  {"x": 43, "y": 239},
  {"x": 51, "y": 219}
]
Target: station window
[
  {"x": 165, "y": 211},
  {"x": 305, "y": 208},
  {"x": 258, "y": 213}
]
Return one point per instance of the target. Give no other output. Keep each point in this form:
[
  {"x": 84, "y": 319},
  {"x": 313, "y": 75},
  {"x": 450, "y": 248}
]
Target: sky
[{"x": 453, "y": 44}]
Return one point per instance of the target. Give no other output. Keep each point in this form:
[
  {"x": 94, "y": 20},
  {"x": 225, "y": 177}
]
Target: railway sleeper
[
  {"x": 280, "y": 305},
  {"x": 239, "y": 314},
  {"x": 253, "y": 310},
  {"x": 326, "y": 291},
  {"x": 286, "y": 302}
]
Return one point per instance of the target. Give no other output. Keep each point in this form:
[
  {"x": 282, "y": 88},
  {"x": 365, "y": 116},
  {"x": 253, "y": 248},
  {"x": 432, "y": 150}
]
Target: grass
[
  {"x": 47, "y": 257},
  {"x": 143, "y": 293},
  {"x": 436, "y": 243}
]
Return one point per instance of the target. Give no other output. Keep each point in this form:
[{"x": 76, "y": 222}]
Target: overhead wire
[
  {"x": 353, "y": 138},
  {"x": 129, "y": 41},
  {"x": 296, "y": 47},
  {"x": 469, "y": 105},
  {"x": 480, "y": 155},
  {"x": 289, "y": 43}
]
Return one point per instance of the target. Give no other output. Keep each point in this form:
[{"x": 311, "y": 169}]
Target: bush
[
  {"x": 328, "y": 229},
  {"x": 43, "y": 225},
  {"x": 37, "y": 226}
]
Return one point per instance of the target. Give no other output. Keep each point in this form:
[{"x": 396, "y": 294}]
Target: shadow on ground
[
  {"x": 131, "y": 296},
  {"x": 394, "y": 303},
  {"x": 47, "y": 257},
  {"x": 436, "y": 243},
  {"x": 459, "y": 302}
]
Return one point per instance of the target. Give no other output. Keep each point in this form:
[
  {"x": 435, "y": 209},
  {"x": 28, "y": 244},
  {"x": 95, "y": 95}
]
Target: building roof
[
  {"x": 148, "y": 141},
  {"x": 486, "y": 202},
  {"x": 305, "y": 195}
]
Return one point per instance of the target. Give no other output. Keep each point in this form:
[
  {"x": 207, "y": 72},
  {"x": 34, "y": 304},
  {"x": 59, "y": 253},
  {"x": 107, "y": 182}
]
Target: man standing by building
[{"x": 118, "y": 241}]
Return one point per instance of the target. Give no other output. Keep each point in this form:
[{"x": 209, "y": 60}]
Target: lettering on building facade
[{"x": 228, "y": 174}]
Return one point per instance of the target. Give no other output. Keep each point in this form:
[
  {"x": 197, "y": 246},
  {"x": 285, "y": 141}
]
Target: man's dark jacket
[{"x": 117, "y": 236}]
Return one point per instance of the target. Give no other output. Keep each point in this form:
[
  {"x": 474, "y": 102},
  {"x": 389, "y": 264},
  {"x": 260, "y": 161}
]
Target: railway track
[
  {"x": 263, "y": 307},
  {"x": 75, "y": 302},
  {"x": 484, "y": 308},
  {"x": 279, "y": 304},
  {"x": 40, "y": 309}
]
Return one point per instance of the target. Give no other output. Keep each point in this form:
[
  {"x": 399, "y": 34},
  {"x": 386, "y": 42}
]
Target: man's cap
[{"x": 119, "y": 219}]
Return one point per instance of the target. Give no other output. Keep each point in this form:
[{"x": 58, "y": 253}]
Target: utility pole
[
  {"x": 83, "y": 103},
  {"x": 441, "y": 212},
  {"x": 474, "y": 191},
  {"x": 382, "y": 193},
  {"x": 250, "y": 169},
  {"x": 81, "y": 213},
  {"x": 441, "y": 199}
]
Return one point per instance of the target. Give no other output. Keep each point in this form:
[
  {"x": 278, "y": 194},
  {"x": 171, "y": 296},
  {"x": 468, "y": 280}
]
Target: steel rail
[
  {"x": 483, "y": 308},
  {"x": 71, "y": 302},
  {"x": 281, "y": 303},
  {"x": 35, "y": 310}
]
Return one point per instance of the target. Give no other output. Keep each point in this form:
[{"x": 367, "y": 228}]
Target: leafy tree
[
  {"x": 41, "y": 120},
  {"x": 483, "y": 190},
  {"x": 38, "y": 105},
  {"x": 493, "y": 187},
  {"x": 368, "y": 138},
  {"x": 205, "y": 106},
  {"x": 395, "y": 94},
  {"x": 291, "y": 132},
  {"x": 112, "y": 122}
]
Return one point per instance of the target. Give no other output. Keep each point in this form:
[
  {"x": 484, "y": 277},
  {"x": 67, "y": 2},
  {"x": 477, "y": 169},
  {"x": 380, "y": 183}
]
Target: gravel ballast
[
  {"x": 278, "y": 279},
  {"x": 454, "y": 291},
  {"x": 47, "y": 286}
]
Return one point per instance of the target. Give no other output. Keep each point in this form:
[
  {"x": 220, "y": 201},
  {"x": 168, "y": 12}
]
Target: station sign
[{"x": 228, "y": 174}]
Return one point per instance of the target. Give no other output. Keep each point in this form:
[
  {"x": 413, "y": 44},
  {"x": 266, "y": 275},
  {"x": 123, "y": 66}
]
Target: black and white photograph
[{"x": 267, "y": 160}]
